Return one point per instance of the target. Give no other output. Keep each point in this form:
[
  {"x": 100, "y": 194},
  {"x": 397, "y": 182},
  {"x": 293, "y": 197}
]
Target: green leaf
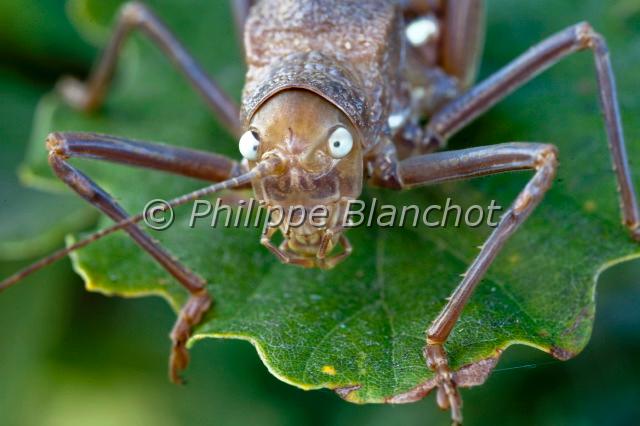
[
  {"x": 38, "y": 33},
  {"x": 362, "y": 325},
  {"x": 24, "y": 230}
]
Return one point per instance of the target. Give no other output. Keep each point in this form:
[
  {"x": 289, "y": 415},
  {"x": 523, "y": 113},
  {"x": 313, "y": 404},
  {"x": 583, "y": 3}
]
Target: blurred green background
[{"x": 68, "y": 357}]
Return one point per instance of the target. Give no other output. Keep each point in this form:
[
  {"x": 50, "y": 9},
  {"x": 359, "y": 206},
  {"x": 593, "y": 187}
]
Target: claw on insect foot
[
  {"x": 190, "y": 315},
  {"x": 447, "y": 396}
]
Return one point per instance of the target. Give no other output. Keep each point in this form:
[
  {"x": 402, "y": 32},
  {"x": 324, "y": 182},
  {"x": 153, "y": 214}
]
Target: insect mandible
[{"x": 336, "y": 94}]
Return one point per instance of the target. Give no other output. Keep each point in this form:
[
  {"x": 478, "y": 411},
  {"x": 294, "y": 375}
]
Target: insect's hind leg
[
  {"x": 457, "y": 114},
  {"x": 63, "y": 146},
  {"x": 465, "y": 164},
  {"x": 90, "y": 96}
]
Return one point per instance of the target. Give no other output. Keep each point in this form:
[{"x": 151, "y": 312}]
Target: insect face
[{"x": 324, "y": 160}]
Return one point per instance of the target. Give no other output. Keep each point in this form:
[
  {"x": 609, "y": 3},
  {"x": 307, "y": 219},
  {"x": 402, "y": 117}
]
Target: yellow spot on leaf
[
  {"x": 329, "y": 369},
  {"x": 514, "y": 258},
  {"x": 590, "y": 206}
]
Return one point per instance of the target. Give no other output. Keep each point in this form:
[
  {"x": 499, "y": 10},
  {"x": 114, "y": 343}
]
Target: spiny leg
[
  {"x": 479, "y": 99},
  {"x": 465, "y": 164},
  {"x": 89, "y": 96},
  {"x": 63, "y": 146}
]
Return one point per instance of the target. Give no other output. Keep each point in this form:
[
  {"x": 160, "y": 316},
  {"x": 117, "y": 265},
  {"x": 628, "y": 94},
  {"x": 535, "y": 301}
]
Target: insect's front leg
[
  {"x": 326, "y": 246},
  {"x": 280, "y": 252},
  {"x": 89, "y": 96},
  {"x": 456, "y": 115},
  {"x": 465, "y": 164},
  {"x": 332, "y": 262},
  {"x": 186, "y": 162}
]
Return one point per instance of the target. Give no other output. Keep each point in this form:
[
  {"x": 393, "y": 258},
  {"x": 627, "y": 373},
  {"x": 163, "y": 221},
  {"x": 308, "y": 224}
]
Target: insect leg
[
  {"x": 333, "y": 261},
  {"x": 172, "y": 159},
  {"x": 280, "y": 252},
  {"x": 465, "y": 164},
  {"x": 89, "y": 96},
  {"x": 422, "y": 7},
  {"x": 463, "y": 39},
  {"x": 479, "y": 99},
  {"x": 63, "y": 146}
]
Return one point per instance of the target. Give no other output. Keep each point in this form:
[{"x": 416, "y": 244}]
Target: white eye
[
  {"x": 249, "y": 145},
  {"x": 340, "y": 143}
]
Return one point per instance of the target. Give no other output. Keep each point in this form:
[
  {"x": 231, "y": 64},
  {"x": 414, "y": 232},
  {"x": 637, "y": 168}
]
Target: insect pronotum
[{"x": 335, "y": 95}]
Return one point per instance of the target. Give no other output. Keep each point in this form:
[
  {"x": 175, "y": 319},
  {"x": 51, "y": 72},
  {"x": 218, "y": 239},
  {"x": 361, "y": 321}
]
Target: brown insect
[{"x": 335, "y": 94}]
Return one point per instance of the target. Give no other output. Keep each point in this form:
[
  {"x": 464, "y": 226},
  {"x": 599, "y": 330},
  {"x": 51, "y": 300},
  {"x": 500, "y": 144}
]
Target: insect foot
[
  {"x": 190, "y": 315},
  {"x": 75, "y": 94},
  {"x": 447, "y": 396}
]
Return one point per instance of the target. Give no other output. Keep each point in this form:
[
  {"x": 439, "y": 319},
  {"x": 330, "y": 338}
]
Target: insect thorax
[{"x": 347, "y": 51}]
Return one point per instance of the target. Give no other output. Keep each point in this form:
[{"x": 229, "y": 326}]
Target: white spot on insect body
[
  {"x": 396, "y": 120},
  {"x": 422, "y": 30}
]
